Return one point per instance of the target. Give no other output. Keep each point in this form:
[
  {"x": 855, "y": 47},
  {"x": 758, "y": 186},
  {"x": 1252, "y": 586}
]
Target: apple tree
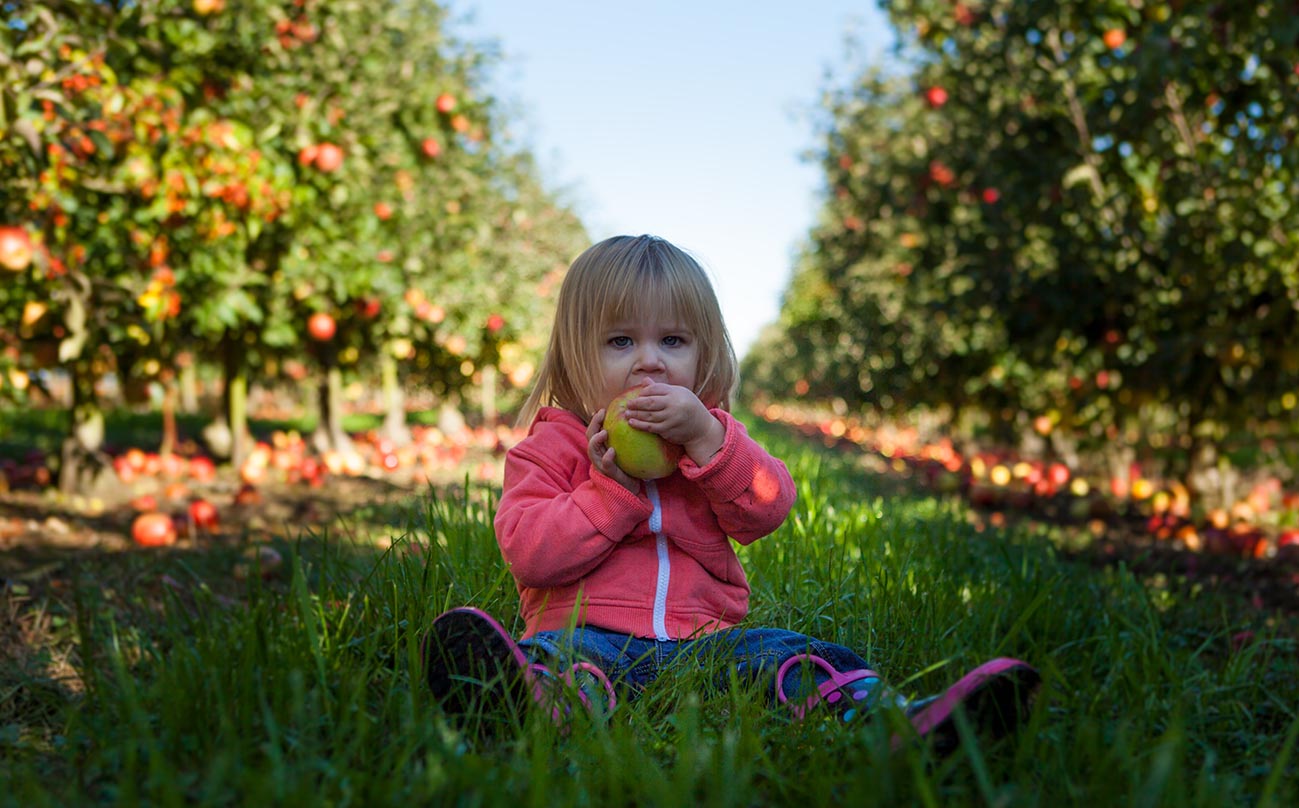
[
  {"x": 185, "y": 178},
  {"x": 400, "y": 180},
  {"x": 138, "y": 190},
  {"x": 1081, "y": 210}
]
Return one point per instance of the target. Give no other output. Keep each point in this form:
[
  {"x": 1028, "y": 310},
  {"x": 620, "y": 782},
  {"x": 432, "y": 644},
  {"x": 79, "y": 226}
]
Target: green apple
[{"x": 641, "y": 454}]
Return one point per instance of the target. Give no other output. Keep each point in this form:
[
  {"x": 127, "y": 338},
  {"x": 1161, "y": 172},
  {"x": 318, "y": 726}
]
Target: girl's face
[{"x": 633, "y": 352}]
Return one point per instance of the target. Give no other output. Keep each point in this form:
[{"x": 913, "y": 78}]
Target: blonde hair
[{"x": 629, "y": 278}]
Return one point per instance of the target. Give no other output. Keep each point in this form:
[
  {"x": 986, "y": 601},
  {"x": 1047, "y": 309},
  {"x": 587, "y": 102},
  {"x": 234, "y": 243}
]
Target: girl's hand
[
  {"x": 676, "y": 414},
  {"x": 601, "y": 454}
]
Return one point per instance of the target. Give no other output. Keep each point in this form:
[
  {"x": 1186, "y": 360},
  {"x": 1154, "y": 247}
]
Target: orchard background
[
  {"x": 1065, "y": 236},
  {"x": 1054, "y": 267},
  {"x": 301, "y": 192}
]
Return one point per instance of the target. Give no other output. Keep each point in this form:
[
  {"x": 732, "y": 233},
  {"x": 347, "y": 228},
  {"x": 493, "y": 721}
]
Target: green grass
[{"x": 308, "y": 691}]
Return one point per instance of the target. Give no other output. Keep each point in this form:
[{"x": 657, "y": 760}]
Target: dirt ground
[
  {"x": 51, "y": 547},
  {"x": 43, "y": 535}
]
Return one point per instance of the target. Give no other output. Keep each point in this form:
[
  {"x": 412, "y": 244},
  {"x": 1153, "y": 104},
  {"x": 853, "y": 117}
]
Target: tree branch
[{"x": 1077, "y": 115}]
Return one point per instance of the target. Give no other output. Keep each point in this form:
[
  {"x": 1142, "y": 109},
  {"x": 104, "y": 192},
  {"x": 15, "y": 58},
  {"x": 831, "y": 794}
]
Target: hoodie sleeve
[
  {"x": 750, "y": 491},
  {"x": 554, "y": 524}
]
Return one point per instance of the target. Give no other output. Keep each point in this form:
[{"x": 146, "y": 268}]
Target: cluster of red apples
[{"x": 170, "y": 508}]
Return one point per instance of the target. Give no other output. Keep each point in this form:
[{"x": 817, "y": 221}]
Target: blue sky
[{"x": 682, "y": 118}]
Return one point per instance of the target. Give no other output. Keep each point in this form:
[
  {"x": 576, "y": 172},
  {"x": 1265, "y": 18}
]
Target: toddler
[{"x": 620, "y": 578}]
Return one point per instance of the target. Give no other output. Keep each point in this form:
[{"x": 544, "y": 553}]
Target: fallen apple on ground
[
  {"x": 203, "y": 515},
  {"x": 641, "y": 454},
  {"x": 153, "y": 529}
]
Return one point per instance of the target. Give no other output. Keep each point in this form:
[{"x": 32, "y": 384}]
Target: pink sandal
[
  {"x": 997, "y": 696},
  {"x": 469, "y": 657},
  {"x": 829, "y": 691},
  {"x": 603, "y": 702}
]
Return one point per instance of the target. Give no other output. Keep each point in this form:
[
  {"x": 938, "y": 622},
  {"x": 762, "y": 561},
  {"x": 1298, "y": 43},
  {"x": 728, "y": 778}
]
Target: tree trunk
[
  {"x": 329, "y": 432},
  {"x": 394, "y": 398},
  {"x": 189, "y": 387},
  {"x": 1212, "y": 480},
  {"x": 489, "y": 396},
  {"x": 169, "y": 396},
  {"x": 236, "y": 402},
  {"x": 81, "y": 459}
]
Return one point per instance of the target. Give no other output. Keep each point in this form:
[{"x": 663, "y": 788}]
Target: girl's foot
[
  {"x": 996, "y": 696},
  {"x": 847, "y": 691},
  {"x": 471, "y": 661}
]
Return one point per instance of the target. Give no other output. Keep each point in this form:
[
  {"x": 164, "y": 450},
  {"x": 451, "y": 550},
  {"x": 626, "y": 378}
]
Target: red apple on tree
[
  {"x": 206, "y": 7},
  {"x": 430, "y": 147},
  {"x": 321, "y": 327},
  {"x": 495, "y": 322},
  {"x": 329, "y": 157},
  {"x": 445, "y": 103},
  {"x": 935, "y": 97},
  {"x": 15, "y": 248},
  {"x": 368, "y": 307},
  {"x": 304, "y": 30},
  {"x": 1114, "y": 38},
  {"x": 383, "y": 210},
  {"x": 940, "y": 173}
]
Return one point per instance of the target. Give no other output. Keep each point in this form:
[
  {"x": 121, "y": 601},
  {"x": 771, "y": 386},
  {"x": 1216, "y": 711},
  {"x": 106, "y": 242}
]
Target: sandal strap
[
  {"x": 544, "y": 682},
  {"x": 599, "y": 676},
  {"x": 829, "y": 691}
]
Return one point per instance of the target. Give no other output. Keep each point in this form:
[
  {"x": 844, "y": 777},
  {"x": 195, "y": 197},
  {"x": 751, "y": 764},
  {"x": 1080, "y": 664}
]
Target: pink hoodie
[{"x": 653, "y": 564}]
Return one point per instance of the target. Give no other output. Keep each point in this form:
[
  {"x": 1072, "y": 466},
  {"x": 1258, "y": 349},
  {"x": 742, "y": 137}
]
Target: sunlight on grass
[{"x": 309, "y": 689}]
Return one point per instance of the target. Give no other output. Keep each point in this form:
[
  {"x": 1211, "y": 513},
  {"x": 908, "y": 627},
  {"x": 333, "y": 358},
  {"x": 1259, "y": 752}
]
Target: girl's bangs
[{"x": 655, "y": 295}]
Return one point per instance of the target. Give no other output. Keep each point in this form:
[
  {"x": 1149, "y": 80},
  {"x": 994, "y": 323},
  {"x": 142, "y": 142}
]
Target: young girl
[{"x": 622, "y": 578}]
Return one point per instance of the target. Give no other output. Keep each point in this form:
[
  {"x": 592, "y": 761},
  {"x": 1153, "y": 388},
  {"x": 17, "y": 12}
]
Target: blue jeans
[{"x": 634, "y": 662}]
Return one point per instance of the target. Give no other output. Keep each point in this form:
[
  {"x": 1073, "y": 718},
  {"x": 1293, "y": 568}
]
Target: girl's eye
[
  {"x": 672, "y": 341},
  {"x": 620, "y": 342}
]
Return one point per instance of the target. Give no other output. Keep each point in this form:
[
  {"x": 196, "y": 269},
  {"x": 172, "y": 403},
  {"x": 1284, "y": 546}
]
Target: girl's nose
[{"x": 648, "y": 358}]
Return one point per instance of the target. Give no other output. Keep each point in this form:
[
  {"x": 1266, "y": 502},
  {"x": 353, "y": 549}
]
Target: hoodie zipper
[{"x": 665, "y": 566}]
